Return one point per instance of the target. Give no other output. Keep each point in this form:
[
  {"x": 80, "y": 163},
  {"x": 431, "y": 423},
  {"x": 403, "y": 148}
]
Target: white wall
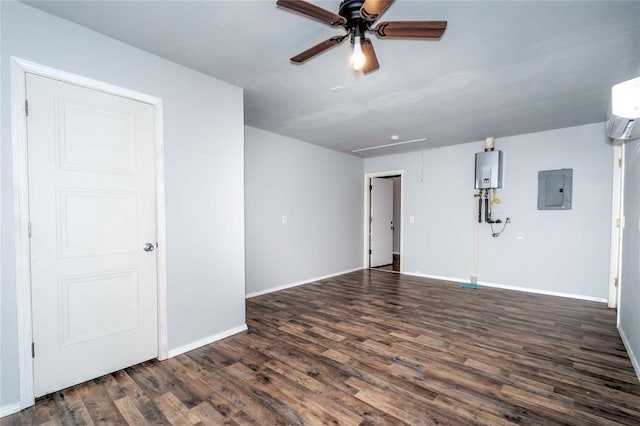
[
  {"x": 320, "y": 192},
  {"x": 560, "y": 251},
  {"x": 629, "y": 311},
  {"x": 204, "y": 130}
]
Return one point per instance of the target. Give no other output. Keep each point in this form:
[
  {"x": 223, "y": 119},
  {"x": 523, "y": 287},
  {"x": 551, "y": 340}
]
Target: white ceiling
[{"x": 501, "y": 68}]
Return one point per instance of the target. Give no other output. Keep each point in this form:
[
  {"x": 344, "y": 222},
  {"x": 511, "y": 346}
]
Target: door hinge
[
  {"x": 370, "y": 251},
  {"x": 619, "y": 162},
  {"x": 26, "y": 108},
  {"x": 370, "y": 188},
  {"x": 615, "y": 282},
  {"x": 618, "y": 223},
  {"x": 33, "y": 350},
  {"x": 29, "y": 229}
]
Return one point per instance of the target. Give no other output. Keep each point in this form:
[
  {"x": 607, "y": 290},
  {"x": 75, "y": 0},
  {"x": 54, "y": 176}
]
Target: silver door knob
[{"x": 148, "y": 247}]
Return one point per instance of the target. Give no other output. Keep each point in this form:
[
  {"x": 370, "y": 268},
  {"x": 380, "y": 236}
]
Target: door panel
[
  {"x": 92, "y": 209},
  {"x": 80, "y": 147},
  {"x": 81, "y": 294},
  {"x": 96, "y": 222},
  {"x": 381, "y": 237}
]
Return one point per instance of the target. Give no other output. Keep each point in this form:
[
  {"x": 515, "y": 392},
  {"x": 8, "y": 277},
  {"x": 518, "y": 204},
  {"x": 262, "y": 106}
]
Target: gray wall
[
  {"x": 397, "y": 214},
  {"x": 320, "y": 192},
  {"x": 560, "y": 251},
  {"x": 630, "y": 278},
  {"x": 204, "y": 129}
]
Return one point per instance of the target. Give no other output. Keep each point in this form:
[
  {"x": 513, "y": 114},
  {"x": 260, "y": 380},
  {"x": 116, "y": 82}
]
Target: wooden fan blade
[
  {"x": 312, "y": 11},
  {"x": 411, "y": 29},
  {"x": 317, "y": 49},
  {"x": 372, "y": 9},
  {"x": 371, "y": 61}
]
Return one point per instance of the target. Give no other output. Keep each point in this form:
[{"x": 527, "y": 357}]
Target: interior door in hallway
[
  {"x": 93, "y": 232},
  {"x": 381, "y": 220}
]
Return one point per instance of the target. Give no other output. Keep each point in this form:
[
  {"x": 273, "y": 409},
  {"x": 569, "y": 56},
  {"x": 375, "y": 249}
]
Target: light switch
[{"x": 412, "y": 219}]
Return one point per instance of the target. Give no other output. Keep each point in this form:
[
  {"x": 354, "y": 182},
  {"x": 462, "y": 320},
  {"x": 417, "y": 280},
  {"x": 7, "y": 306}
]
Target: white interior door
[
  {"x": 92, "y": 209},
  {"x": 381, "y": 236}
]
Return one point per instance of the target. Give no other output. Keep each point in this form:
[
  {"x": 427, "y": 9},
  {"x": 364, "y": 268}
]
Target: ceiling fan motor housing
[{"x": 356, "y": 25}]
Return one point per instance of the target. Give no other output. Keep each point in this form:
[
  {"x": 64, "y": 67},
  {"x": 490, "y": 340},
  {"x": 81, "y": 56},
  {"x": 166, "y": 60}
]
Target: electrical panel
[
  {"x": 555, "y": 189},
  {"x": 489, "y": 170}
]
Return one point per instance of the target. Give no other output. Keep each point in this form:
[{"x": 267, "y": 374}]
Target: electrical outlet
[{"x": 284, "y": 219}]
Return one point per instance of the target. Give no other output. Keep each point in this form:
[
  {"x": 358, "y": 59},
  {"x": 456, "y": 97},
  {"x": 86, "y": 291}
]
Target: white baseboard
[
  {"x": 5, "y": 410},
  {"x": 202, "y": 342},
  {"x": 297, "y": 283},
  {"x": 396, "y": 253},
  {"x": 632, "y": 356},
  {"x": 513, "y": 287}
]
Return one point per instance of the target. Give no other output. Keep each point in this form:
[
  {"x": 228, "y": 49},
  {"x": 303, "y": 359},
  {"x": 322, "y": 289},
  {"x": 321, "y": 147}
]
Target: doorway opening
[{"x": 383, "y": 221}]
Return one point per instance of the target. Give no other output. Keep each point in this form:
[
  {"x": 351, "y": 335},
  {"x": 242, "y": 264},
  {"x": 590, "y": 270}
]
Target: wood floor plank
[
  {"x": 557, "y": 403},
  {"x": 110, "y": 386},
  {"x": 140, "y": 400},
  {"x": 302, "y": 407},
  {"x": 209, "y": 415},
  {"x": 45, "y": 411},
  {"x": 175, "y": 411},
  {"x": 376, "y": 348},
  {"x": 193, "y": 374},
  {"x": 479, "y": 401},
  {"x": 100, "y": 406},
  {"x": 240, "y": 396},
  {"x": 71, "y": 409},
  {"x": 410, "y": 412},
  {"x": 129, "y": 411}
]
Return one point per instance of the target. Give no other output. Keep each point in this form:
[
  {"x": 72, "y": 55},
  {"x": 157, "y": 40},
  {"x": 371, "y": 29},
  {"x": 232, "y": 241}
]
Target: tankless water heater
[{"x": 489, "y": 170}]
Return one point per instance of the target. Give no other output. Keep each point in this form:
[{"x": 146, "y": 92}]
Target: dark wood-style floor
[
  {"x": 377, "y": 348},
  {"x": 395, "y": 266}
]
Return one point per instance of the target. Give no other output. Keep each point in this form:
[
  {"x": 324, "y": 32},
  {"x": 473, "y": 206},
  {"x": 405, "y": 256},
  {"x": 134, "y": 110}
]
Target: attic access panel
[{"x": 555, "y": 188}]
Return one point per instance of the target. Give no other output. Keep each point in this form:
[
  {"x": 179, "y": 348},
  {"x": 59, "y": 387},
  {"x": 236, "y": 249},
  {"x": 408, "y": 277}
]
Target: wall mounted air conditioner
[{"x": 624, "y": 117}]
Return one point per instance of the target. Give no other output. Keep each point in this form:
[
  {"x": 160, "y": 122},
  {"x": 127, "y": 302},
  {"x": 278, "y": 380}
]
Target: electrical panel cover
[{"x": 555, "y": 188}]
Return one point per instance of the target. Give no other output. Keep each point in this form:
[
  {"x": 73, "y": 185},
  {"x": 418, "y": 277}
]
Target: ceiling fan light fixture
[
  {"x": 357, "y": 17},
  {"x": 357, "y": 58}
]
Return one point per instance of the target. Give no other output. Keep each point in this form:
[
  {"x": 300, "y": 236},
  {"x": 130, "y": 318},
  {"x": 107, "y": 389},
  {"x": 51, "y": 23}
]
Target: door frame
[
  {"x": 617, "y": 224},
  {"x": 19, "y": 68},
  {"x": 367, "y": 208}
]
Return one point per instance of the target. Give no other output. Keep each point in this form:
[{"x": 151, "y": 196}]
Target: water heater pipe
[
  {"x": 487, "y": 213},
  {"x": 489, "y": 144},
  {"x": 474, "y": 275}
]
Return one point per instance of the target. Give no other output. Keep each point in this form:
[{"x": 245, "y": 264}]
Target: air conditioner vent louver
[
  {"x": 624, "y": 111},
  {"x": 623, "y": 128}
]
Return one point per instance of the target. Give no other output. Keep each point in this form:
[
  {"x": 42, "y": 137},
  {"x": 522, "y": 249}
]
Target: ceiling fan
[{"x": 358, "y": 17}]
